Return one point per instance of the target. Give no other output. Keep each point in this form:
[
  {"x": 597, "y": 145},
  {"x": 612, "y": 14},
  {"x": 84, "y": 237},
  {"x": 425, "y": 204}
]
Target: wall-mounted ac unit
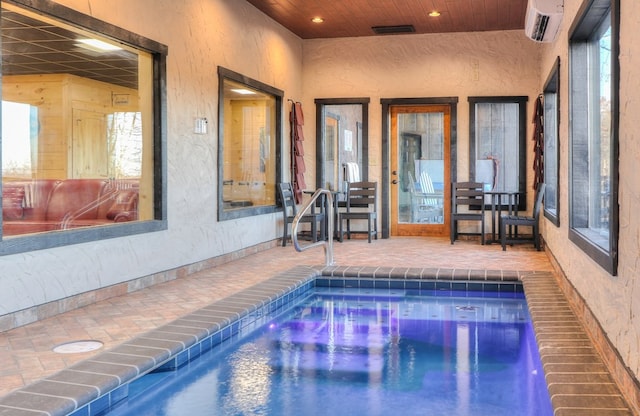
[{"x": 543, "y": 19}]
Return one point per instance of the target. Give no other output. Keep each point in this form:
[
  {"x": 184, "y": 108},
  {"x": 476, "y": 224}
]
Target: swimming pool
[
  {"x": 93, "y": 385},
  {"x": 347, "y": 351}
]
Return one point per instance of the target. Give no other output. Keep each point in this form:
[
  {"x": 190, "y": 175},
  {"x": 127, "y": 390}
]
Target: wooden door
[
  {"x": 89, "y": 149},
  {"x": 420, "y": 170}
]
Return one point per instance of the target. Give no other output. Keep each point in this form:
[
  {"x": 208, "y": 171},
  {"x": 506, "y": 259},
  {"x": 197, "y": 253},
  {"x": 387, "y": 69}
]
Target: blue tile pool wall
[
  {"x": 421, "y": 285},
  {"x": 407, "y": 278}
]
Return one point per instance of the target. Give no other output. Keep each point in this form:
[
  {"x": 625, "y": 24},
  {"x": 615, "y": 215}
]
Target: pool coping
[{"x": 577, "y": 378}]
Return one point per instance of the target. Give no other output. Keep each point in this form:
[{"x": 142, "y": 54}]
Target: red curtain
[
  {"x": 296, "y": 118},
  {"x": 538, "y": 143}
]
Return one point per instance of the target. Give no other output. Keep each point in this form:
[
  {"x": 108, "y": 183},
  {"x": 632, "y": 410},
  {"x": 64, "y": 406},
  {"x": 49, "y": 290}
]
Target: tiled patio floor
[{"x": 26, "y": 352}]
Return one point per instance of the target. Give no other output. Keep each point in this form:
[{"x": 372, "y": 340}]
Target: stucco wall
[
  {"x": 407, "y": 66},
  {"x": 613, "y": 300},
  {"x": 200, "y": 35}
]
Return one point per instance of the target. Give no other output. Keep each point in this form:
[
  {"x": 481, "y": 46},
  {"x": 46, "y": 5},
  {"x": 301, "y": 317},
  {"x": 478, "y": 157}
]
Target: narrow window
[
  {"x": 250, "y": 137},
  {"x": 594, "y": 75},
  {"x": 551, "y": 144},
  {"x": 342, "y": 148},
  {"x": 497, "y": 154}
]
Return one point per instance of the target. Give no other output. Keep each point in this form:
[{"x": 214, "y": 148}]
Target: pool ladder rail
[{"x": 328, "y": 243}]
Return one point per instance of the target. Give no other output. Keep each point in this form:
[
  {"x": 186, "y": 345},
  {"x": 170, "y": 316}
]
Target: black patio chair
[
  {"x": 470, "y": 197},
  {"x": 361, "y": 205},
  {"x": 515, "y": 221},
  {"x": 289, "y": 212}
]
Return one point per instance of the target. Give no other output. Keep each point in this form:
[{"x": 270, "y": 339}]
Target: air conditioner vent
[
  {"x": 393, "y": 30},
  {"x": 540, "y": 27},
  {"x": 543, "y": 19}
]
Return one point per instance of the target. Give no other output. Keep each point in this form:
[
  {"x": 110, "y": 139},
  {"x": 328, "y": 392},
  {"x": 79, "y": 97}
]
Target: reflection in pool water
[{"x": 373, "y": 352}]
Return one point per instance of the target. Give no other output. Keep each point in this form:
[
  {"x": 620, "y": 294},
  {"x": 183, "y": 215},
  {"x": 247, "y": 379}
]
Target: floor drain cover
[{"x": 77, "y": 347}]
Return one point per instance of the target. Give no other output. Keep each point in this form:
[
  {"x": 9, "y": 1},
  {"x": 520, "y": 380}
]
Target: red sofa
[{"x": 40, "y": 205}]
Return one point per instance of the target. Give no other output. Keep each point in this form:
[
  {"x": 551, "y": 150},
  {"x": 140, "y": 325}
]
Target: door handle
[
  {"x": 395, "y": 172},
  {"x": 395, "y": 181}
]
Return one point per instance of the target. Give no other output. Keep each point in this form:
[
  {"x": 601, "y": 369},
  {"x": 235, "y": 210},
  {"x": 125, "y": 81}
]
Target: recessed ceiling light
[
  {"x": 317, "y": 19},
  {"x": 434, "y": 13}
]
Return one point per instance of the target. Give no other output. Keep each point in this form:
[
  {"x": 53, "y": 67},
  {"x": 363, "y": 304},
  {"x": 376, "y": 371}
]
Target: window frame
[
  {"x": 242, "y": 212},
  {"x": 522, "y": 138},
  {"x": 31, "y": 242},
  {"x": 551, "y": 93},
  {"x": 588, "y": 22}
]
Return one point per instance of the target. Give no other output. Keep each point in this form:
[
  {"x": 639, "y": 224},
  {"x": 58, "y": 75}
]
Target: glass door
[{"x": 420, "y": 170}]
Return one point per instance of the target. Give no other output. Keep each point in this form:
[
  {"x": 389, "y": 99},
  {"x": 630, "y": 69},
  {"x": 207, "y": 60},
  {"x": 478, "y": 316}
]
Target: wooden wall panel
[{"x": 56, "y": 96}]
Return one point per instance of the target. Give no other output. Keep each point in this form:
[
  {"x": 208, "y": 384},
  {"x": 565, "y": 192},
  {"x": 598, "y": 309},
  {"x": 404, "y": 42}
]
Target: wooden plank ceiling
[{"x": 351, "y": 18}]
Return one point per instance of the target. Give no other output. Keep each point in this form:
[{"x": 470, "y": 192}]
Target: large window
[
  {"x": 250, "y": 137},
  {"x": 497, "y": 153},
  {"x": 551, "y": 144},
  {"x": 594, "y": 72},
  {"x": 82, "y": 138}
]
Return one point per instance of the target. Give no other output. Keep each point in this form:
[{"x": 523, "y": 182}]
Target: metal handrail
[{"x": 328, "y": 243}]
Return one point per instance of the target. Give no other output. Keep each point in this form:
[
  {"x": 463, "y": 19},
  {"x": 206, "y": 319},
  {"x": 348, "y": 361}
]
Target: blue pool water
[{"x": 364, "y": 352}]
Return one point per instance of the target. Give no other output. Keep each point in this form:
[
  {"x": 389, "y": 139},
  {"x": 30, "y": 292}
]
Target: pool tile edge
[
  {"x": 170, "y": 345},
  {"x": 576, "y": 375}
]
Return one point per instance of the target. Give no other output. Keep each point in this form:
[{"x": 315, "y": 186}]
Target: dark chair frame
[
  {"x": 516, "y": 221},
  {"x": 471, "y": 195},
  {"x": 360, "y": 196},
  {"x": 289, "y": 211}
]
